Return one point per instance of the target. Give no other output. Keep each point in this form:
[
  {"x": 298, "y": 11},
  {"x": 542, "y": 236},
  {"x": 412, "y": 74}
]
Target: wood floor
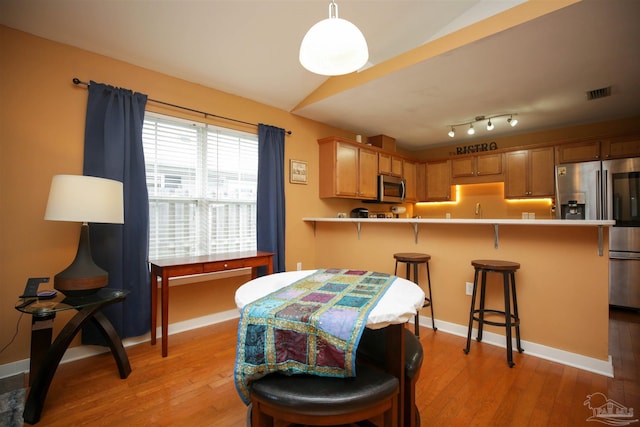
[{"x": 194, "y": 385}]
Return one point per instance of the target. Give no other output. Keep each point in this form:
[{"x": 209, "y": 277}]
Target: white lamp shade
[
  {"x": 80, "y": 198},
  {"x": 333, "y": 47}
]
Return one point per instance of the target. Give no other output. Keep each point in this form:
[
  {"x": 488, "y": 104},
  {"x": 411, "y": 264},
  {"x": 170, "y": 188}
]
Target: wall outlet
[
  {"x": 469, "y": 288},
  {"x": 299, "y": 266}
]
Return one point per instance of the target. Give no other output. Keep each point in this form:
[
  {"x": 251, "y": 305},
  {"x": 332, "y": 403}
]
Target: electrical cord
[{"x": 14, "y": 335}]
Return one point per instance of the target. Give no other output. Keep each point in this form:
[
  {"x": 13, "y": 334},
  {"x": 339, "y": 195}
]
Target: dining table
[{"x": 397, "y": 306}]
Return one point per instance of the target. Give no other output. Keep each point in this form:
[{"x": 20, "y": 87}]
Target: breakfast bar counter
[
  {"x": 495, "y": 223},
  {"x": 563, "y": 293}
]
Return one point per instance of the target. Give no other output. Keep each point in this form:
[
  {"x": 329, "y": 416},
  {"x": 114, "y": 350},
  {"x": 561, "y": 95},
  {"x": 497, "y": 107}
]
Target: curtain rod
[{"x": 77, "y": 81}]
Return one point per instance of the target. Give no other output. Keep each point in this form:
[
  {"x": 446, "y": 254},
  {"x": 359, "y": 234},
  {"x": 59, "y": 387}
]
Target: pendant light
[{"x": 333, "y": 46}]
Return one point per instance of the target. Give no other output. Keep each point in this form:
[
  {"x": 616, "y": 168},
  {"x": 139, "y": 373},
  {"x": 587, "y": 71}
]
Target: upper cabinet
[
  {"x": 529, "y": 173},
  {"x": 617, "y": 148},
  {"x": 582, "y": 151},
  {"x": 389, "y": 164},
  {"x": 410, "y": 175},
  {"x": 477, "y": 169},
  {"x": 438, "y": 181},
  {"x": 347, "y": 170},
  {"x": 598, "y": 149}
]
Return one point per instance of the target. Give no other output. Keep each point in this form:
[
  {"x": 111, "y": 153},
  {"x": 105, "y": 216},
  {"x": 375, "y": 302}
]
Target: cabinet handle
[{"x": 226, "y": 265}]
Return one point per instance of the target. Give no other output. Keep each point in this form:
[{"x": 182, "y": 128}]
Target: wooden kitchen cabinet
[
  {"x": 438, "y": 181},
  {"x": 477, "y": 169},
  {"x": 421, "y": 182},
  {"x": 582, "y": 151},
  {"x": 389, "y": 164},
  {"x": 347, "y": 170},
  {"x": 529, "y": 173},
  {"x": 620, "y": 148},
  {"x": 410, "y": 179}
]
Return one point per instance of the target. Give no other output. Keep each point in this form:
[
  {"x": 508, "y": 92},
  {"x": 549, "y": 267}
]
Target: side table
[{"x": 46, "y": 356}]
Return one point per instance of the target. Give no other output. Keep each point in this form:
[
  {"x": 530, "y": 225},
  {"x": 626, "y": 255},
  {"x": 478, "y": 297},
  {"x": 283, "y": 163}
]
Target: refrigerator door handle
[
  {"x": 605, "y": 194},
  {"x": 602, "y": 200},
  {"x": 599, "y": 205}
]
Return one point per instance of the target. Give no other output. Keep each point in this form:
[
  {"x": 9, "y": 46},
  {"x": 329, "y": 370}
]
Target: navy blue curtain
[
  {"x": 113, "y": 149},
  {"x": 270, "y": 202}
]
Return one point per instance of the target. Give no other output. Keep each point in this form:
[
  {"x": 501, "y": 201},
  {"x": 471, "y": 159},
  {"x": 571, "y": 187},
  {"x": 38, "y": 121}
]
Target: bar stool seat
[
  {"x": 511, "y": 317},
  {"x": 415, "y": 259}
]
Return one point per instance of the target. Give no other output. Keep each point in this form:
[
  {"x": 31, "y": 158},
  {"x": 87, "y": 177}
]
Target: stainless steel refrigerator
[{"x": 608, "y": 190}]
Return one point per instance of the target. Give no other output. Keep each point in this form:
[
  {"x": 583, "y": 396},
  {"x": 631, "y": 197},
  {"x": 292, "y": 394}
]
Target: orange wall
[{"x": 41, "y": 134}]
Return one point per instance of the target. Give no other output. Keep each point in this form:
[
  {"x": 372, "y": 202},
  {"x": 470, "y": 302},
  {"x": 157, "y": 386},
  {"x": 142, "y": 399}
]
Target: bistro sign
[{"x": 477, "y": 148}]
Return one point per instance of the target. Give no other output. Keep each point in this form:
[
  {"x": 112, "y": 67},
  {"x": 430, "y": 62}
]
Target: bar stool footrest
[{"x": 514, "y": 320}]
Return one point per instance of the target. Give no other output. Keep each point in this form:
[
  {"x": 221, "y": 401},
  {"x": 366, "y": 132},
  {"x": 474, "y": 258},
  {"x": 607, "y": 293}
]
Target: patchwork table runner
[{"x": 312, "y": 326}]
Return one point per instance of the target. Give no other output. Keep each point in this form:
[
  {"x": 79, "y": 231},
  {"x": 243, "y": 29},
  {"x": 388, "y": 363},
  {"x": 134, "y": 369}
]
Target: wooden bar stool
[
  {"x": 415, "y": 259},
  {"x": 511, "y": 318}
]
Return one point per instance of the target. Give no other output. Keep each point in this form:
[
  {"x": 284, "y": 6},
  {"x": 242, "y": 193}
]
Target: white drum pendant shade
[{"x": 333, "y": 47}]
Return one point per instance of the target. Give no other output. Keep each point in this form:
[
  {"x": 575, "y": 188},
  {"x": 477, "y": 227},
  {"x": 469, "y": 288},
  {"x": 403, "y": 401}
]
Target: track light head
[
  {"x": 513, "y": 122},
  {"x": 471, "y": 130},
  {"x": 490, "y": 125},
  {"x": 452, "y": 132}
]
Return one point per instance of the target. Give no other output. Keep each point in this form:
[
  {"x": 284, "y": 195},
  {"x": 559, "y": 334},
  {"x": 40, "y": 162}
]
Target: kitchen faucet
[{"x": 478, "y": 210}]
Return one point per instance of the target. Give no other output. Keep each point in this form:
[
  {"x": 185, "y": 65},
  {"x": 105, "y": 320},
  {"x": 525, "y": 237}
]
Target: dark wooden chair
[
  {"x": 372, "y": 350},
  {"x": 325, "y": 401}
]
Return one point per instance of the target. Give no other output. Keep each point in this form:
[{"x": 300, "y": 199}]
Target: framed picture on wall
[{"x": 298, "y": 172}]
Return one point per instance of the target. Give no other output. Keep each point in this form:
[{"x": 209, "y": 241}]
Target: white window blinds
[{"x": 202, "y": 183}]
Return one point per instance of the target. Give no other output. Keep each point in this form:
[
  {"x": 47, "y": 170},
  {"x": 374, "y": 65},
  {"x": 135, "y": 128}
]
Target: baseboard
[
  {"x": 585, "y": 363},
  {"x": 575, "y": 360}
]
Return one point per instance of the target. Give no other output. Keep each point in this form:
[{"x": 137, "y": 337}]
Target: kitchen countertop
[{"x": 491, "y": 221}]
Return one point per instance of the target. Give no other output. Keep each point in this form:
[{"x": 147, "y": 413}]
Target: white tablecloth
[{"x": 399, "y": 304}]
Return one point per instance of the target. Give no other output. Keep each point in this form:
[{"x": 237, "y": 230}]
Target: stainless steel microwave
[{"x": 391, "y": 189}]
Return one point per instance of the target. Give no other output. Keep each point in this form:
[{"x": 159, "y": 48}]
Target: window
[{"x": 202, "y": 183}]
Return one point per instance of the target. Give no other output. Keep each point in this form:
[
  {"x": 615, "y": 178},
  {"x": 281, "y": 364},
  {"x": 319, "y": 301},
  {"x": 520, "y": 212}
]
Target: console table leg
[
  {"x": 41, "y": 334},
  {"x": 44, "y": 376},
  {"x": 115, "y": 343}
]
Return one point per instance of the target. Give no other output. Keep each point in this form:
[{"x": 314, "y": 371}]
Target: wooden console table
[{"x": 187, "y": 266}]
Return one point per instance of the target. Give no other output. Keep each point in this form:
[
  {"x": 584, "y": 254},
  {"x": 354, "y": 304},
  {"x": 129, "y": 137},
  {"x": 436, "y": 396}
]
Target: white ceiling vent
[{"x": 599, "y": 93}]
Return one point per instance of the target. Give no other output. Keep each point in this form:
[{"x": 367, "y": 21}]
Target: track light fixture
[{"x": 490, "y": 124}]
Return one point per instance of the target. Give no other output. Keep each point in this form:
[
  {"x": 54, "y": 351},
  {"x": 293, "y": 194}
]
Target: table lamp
[{"x": 84, "y": 199}]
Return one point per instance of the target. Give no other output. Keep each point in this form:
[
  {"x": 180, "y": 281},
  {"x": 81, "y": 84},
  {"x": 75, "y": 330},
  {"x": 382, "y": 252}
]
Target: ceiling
[{"x": 433, "y": 63}]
